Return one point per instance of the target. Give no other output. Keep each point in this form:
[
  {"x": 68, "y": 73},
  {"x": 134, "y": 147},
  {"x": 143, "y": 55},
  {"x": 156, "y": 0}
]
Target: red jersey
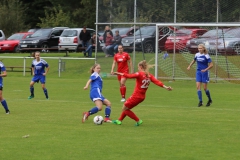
[
  {"x": 122, "y": 61},
  {"x": 142, "y": 83}
]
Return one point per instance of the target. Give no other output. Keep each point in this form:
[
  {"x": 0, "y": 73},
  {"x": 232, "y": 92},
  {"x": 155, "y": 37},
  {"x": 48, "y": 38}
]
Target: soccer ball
[{"x": 98, "y": 120}]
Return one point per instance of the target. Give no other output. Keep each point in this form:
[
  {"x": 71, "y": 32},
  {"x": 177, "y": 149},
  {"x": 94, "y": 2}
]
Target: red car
[
  {"x": 11, "y": 44},
  {"x": 181, "y": 38}
]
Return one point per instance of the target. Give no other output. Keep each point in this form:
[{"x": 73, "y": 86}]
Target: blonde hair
[
  {"x": 93, "y": 67},
  {"x": 205, "y": 51},
  {"x": 145, "y": 67}
]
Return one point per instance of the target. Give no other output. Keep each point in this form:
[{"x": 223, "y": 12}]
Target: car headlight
[
  {"x": 139, "y": 40},
  {"x": 226, "y": 43},
  {"x": 188, "y": 42},
  {"x": 6, "y": 45},
  {"x": 35, "y": 41},
  {"x": 206, "y": 43}
]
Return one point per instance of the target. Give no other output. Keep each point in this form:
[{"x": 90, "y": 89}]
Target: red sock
[
  {"x": 123, "y": 91},
  {"x": 132, "y": 115},
  {"x": 122, "y": 116}
]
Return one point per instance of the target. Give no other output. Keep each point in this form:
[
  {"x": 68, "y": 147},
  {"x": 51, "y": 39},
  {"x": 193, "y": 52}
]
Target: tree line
[{"x": 21, "y": 15}]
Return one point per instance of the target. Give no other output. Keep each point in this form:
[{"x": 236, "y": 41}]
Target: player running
[
  {"x": 96, "y": 95},
  {"x": 143, "y": 79},
  {"x": 123, "y": 61}
]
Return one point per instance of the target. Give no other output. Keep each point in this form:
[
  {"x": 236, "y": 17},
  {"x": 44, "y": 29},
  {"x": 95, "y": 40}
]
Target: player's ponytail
[
  {"x": 145, "y": 66},
  {"x": 93, "y": 67}
]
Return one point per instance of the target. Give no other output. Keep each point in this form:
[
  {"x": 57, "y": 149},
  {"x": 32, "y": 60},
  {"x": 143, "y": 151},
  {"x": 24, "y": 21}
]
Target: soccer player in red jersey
[
  {"x": 123, "y": 61},
  {"x": 143, "y": 79}
]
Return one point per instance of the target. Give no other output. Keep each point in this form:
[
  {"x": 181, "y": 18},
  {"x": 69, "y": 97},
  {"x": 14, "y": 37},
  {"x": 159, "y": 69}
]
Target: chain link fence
[{"x": 136, "y": 20}]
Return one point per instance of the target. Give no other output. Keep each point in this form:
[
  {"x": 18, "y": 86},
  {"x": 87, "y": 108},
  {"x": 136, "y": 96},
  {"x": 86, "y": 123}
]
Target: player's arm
[
  {"x": 113, "y": 66},
  {"x": 131, "y": 66},
  {"x": 133, "y": 75},
  {"x": 3, "y": 74},
  {"x": 188, "y": 68},
  {"x": 87, "y": 84},
  {"x": 159, "y": 83},
  {"x": 209, "y": 67},
  {"x": 47, "y": 69}
]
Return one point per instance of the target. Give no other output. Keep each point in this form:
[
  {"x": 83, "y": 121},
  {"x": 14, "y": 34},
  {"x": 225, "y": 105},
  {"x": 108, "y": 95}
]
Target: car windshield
[
  {"x": 213, "y": 33},
  {"x": 232, "y": 33},
  {"x": 16, "y": 37},
  {"x": 122, "y": 31},
  {"x": 41, "y": 32},
  {"x": 145, "y": 31},
  {"x": 69, "y": 33},
  {"x": 183, "y": 32}
]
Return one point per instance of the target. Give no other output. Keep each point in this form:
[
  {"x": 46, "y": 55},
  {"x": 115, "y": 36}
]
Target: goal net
[{"x": 221, "y": 40}]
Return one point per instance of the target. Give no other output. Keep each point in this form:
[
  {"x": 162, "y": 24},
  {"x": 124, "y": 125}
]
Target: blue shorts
[
  {"x": 96, "y": 94},
  {"x": 37, "y": 78},
  {"x": 202, "y": 76}
]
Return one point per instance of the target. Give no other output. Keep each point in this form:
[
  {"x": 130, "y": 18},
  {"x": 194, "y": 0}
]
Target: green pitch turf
[{"x": 173, "y": 128}]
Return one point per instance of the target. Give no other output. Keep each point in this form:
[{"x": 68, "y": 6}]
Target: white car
[{"x": 69, "y": 39}]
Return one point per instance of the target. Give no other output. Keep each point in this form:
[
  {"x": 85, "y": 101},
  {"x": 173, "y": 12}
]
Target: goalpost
[{"x": 223, "y": 48}]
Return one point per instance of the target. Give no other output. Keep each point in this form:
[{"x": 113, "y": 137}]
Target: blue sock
[
  {"x": 107, "y": 111},
  {"x": 199, "y": 92},
  {"x": 45, "y": 92},
  {"x": 208, "y": 94},
  {"x": 32, "y": 90},
  {"x": 4, "y": 104},
  {"x": 93, "y": 110}
]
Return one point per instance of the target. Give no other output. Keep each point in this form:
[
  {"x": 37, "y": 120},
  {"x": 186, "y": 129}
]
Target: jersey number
[{"x": 145, "y": 84}]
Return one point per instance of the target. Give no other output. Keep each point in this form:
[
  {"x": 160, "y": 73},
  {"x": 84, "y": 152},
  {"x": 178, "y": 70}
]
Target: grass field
[{"x": 173, "y": 128}]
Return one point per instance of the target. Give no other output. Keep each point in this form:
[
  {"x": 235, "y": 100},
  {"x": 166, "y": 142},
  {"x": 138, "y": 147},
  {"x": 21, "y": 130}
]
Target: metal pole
[
  {"x": 134, "y": 53},
  {"x": 216, "y": 55},
  {"x": 174, "y": 47},
  {"x": 96, "y": 40},
  {"x": 24, "y": 66},
  {"x": 59, "y": 67},
  {"x": 156, "y": 52}
]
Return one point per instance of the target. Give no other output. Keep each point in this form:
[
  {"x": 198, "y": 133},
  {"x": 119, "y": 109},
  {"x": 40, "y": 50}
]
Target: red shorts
[
  {"x": 133, "y": 101},
  {"x": 120, "y": 77}
]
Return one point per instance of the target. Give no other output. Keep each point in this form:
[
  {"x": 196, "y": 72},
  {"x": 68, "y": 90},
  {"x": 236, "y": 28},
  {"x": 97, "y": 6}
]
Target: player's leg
[
  {"x": 206, "y": 80},
  {"x": 123, "y": 88},
  {"x": 3, "y": 102},
  {"x": 198, "y": 85},
  {"x": 31, "y": 90},
  {"x": 97, "y": 98},
  {"x": 43, "y": 81},
  {"x": 107, "y": 110}
]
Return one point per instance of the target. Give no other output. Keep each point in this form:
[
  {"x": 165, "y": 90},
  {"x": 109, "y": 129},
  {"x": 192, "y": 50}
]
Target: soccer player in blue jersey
[
  {"x": 3, "y": 73},
  {"x": 96, "y": 94},
  {"x": 204, "y": 63},
  {"x": 39, "y": 74}
]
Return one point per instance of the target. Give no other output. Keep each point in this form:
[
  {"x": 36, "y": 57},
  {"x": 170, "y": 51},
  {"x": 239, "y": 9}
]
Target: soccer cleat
[
  {"x": 123, "y": 100},
  {"x": 208, "y": 103},
  {"x": 30, "y": 97},
  {"x": 85, "y": 116},
  {"x": 7, "y": 112},
  {"x": 200, "y": 104},
  {"x": 117, "y": 122},
  {"x": 139, "y": 123},
  {"x": 106, "y": 119}
]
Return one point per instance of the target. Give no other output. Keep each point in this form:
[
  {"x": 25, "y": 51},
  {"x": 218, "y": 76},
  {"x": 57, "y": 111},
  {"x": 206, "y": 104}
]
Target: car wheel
[
  {"x": 149, "y": 48},
  {"x": 16, "y": 49},
  {"x": 44, "y": 47},
  {"x": 236, "y": 48}
]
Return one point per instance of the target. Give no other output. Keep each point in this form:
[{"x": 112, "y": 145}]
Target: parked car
[
  {"x": 228, "y": 43},
  {"x": 145, "y": 39},
  {"x": 2, "y": 36},
  {"x": 181, "y": 37},
  {"x": 42, "y": 39},
  {"x": 69, "y": 39},
  {"x": 192, "y": 45},
  {"x": 33, "y": 30},
  {"x": 12, "y": 43}
]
